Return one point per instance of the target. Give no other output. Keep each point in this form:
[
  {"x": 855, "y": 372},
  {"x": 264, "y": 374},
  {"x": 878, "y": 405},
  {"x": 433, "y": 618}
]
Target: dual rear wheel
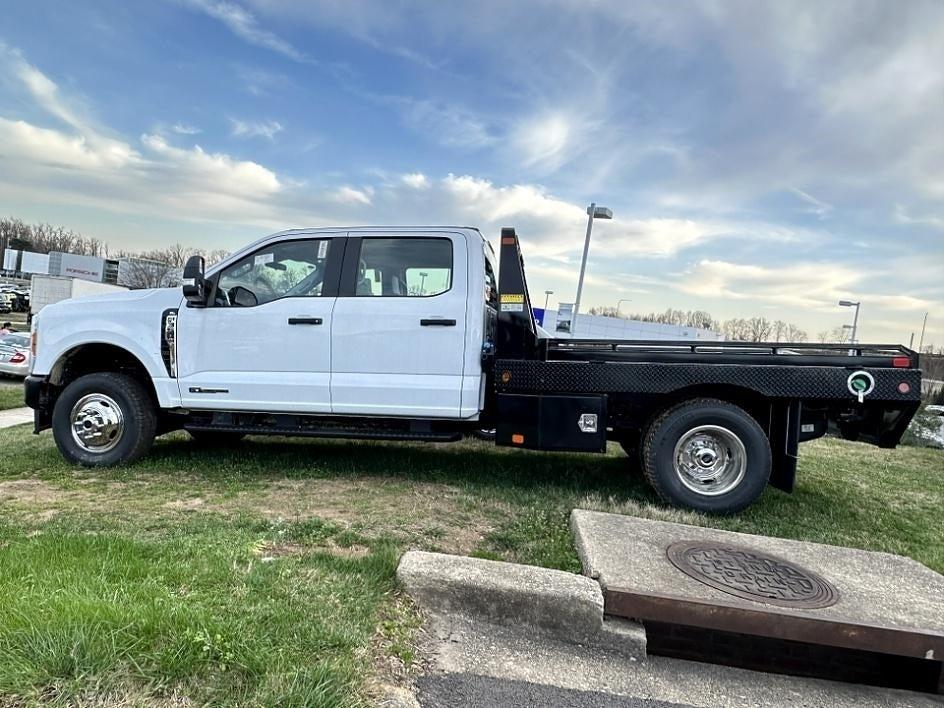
[{"x": 708, "y": 455}]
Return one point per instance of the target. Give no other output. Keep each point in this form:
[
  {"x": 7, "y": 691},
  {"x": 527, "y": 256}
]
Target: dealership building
[{"x": 116, "y": 271}]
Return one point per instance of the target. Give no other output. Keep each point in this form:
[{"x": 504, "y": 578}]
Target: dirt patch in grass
[
  {"x": 419, "y": 514},
  {"x": 32, "y": 491},
  {"x": 430, "y": 514}
]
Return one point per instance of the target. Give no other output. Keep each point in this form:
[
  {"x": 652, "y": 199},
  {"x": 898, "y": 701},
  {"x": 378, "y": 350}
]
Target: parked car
[
  {"x": 15, "y": 355},
  {"x": 404, "y": 334}
]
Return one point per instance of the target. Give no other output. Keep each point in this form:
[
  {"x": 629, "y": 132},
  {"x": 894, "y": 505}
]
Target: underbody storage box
[{"x": 576, "y": 423}]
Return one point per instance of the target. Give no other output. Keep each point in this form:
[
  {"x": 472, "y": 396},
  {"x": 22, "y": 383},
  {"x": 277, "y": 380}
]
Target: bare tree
[{"x": 216, "y": 255}]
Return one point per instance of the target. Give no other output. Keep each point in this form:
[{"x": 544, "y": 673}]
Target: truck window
[
  {"x": 284, "y": 269},
  {"x": 404, "y": 267},
  {"x": 491, "y": 285}
]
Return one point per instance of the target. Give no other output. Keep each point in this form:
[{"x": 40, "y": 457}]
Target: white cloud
[
  {"x": 350, "y": 195},
  {"x": 185, "y": 129},
  {"x": 255, "y": 129},
  {"x": 416, "y": 180},
  {"x": 816, "y": 286},
  {"x": 447, "y": 124},
  {"x": 20, "y": 140},
  {"x": 215, "y": 170},
  {"x": 816, "y": 206},
  {"x": 243, "y": 24}
]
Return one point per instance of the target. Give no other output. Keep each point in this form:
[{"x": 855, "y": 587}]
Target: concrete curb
[
  {"x": 566, "y": 606},
  {"x": 580, "y": 544}
]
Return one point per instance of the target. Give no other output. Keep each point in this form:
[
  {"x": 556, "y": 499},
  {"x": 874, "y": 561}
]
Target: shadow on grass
[{"x": 473, "y": 465}]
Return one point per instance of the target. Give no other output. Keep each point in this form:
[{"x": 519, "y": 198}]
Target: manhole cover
[{"x": 752, "y": 575}]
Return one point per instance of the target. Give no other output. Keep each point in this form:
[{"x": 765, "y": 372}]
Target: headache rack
[{"x": 854, "y": 355}]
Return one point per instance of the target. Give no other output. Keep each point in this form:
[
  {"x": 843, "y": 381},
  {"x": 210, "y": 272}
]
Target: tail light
[
  {"x": 901, "y": 362},
  {"x": 18, "y": 358}
]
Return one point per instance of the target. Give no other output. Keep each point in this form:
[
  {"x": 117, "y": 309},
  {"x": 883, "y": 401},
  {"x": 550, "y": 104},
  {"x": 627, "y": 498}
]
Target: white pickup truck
[{"x": 404, "y": 333}]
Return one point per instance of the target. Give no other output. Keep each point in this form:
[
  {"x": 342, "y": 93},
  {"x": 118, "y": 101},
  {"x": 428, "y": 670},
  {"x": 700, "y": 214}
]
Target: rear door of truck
[{"x": 399, "y": 326}]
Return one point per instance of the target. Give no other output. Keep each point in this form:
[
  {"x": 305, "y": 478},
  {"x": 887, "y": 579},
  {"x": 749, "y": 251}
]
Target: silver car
[{"x": 15, "y": 354}]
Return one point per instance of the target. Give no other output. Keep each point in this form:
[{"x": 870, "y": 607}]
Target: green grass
[
  {"x": 11, "y": 395},
  {"x": 264, "y": 575}
]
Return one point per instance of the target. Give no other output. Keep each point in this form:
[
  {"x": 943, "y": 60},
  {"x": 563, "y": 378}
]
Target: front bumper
[{"x": 39, "y": 397}]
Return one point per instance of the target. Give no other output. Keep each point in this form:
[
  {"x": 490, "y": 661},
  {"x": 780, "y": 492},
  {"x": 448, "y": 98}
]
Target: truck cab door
[
  {"x": 398, "y": 335},
  {"x": 263, "y": 341}
]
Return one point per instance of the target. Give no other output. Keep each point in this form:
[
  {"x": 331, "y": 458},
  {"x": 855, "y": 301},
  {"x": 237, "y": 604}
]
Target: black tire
[
  {"x": 731, "y": 428},
  {"x": 216, "y": 438},
  {"x": 138, "y": 413}
]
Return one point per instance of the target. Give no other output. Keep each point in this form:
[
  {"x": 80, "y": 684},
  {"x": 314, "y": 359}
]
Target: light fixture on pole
[
  {"x": 593, "y": 212},
  {"x": 855, "y": 319},
  {"x": 547, "y": 296}
]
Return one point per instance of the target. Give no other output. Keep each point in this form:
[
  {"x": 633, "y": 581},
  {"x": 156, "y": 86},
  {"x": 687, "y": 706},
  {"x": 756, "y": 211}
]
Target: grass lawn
[
  {"x": 264, "y": 574},
  {"x": 11, "y": 394}
]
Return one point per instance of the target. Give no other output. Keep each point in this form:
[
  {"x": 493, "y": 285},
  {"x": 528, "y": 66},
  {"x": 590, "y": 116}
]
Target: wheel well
[
  {"x": 751, "y": 401},
  {"x": 93, "y": 358}
]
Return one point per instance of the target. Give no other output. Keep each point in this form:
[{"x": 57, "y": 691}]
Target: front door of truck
[
  {"x": 263, "y": 341},
  {"x": 399, "y": 325}
]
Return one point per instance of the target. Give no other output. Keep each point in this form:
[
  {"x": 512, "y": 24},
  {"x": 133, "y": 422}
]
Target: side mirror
[
  {"x": 194, "y": 284},
  {"x": 242, "y": 297}
]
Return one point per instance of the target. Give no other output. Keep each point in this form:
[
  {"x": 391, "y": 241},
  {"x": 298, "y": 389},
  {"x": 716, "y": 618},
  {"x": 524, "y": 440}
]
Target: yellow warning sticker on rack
[{"x": 512, "y": 298}]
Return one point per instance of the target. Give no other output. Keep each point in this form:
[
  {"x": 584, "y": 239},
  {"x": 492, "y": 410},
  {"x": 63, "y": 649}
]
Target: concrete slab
[
  {"x": 564, "y": 604},
  {"x": 15, "y": 416},
  {"x": 796, "y": 591}
]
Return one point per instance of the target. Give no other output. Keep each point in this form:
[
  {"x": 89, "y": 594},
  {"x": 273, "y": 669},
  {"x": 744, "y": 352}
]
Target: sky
[{"x": 760, "y": 158}]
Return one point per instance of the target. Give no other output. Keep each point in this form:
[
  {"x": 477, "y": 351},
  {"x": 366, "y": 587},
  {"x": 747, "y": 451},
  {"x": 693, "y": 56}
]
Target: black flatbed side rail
[{"x": 757, "y": 353}]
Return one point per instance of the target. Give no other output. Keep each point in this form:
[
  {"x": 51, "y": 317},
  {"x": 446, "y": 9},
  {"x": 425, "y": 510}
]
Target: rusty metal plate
[{"x": 752, "y": 575}]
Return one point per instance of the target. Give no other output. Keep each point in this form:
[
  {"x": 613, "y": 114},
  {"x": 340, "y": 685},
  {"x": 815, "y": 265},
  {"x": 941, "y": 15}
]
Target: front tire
[
  {"x": 103, "y": 420},
  {"x": 707, "y": 455}
]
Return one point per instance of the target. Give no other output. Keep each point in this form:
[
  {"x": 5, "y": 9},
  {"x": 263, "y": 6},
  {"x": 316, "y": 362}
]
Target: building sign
[{"x": 71, "y": 265}]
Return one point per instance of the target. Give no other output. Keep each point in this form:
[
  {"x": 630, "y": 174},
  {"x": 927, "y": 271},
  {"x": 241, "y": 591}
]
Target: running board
[{"x": 320, "y": 427}]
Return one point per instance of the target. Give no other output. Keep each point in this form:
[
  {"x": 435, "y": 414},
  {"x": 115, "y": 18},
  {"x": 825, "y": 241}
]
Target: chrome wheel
[
  {"x": 710, "y": 460},
  {"x": 97, "y": 423}
]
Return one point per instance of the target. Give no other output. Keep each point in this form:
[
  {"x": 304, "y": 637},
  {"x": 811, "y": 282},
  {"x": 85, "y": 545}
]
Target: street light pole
[
  {"x": 547, "y": 296},
  {"x": 593, "y": 211},
  {"x": 423, "y": 283},
  {"x": 923, "y": 325},
  {"x": 625, "y": 299},
  {"x": 855, "y": 319}
]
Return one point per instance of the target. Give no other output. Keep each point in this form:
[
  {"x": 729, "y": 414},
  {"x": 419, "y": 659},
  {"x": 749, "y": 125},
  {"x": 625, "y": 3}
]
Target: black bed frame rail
[{"x": 785, "y": 349}]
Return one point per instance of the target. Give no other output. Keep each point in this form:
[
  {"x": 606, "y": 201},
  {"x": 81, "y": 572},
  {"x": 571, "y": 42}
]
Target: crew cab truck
[{"x": 417, "y": 334}]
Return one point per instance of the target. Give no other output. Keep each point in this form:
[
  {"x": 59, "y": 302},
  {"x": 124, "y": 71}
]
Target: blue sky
[{"x": 760, "y": 157}]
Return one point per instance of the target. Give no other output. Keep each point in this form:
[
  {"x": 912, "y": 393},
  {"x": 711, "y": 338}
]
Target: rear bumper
[{"x": 39, "y": 397}]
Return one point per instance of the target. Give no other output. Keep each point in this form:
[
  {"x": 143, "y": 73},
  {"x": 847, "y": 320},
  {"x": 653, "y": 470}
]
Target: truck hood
[{"x": 155, "y": 298}]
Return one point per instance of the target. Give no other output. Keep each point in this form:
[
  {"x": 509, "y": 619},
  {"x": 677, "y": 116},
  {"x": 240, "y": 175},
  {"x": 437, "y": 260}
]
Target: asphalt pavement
[{"x": 466, "y": 690}]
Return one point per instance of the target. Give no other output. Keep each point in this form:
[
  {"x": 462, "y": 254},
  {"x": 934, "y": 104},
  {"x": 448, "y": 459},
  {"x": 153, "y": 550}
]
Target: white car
[{"x": 15, "y": 354}]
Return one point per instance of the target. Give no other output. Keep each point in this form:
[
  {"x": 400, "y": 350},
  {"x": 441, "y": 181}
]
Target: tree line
[{"x": 739, "y": 329}]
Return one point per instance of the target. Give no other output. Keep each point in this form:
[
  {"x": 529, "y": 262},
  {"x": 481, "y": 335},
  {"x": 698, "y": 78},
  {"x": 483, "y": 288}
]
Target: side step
[{"x": 322, "y": 427}]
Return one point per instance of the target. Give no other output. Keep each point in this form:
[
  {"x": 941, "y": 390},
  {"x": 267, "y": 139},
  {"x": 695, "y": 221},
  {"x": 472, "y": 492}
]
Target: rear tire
[
  {"x": 707, "y": 455},
  {"x": 103, "y": 420}
]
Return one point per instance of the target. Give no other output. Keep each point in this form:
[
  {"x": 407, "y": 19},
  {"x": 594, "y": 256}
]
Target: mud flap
[{"x": 784, "y": 443}]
